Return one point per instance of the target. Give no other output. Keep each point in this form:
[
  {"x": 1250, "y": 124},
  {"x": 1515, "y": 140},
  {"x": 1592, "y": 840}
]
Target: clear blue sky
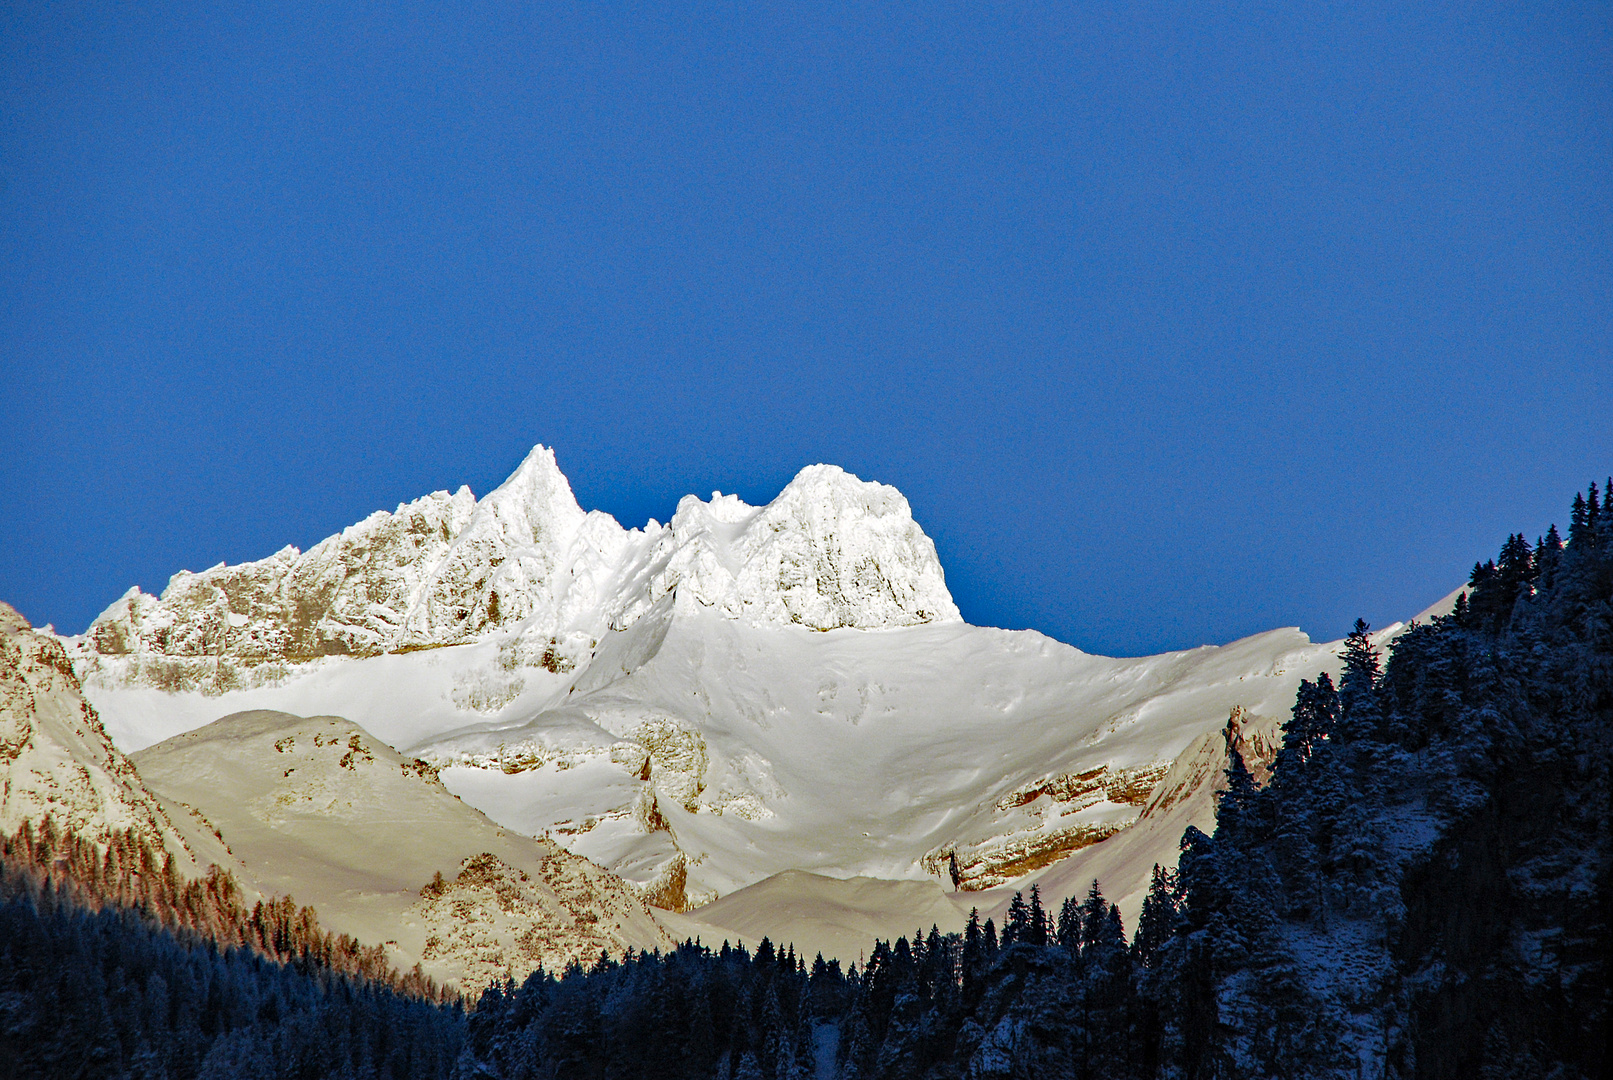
[{"x": 1174, "y": 321}]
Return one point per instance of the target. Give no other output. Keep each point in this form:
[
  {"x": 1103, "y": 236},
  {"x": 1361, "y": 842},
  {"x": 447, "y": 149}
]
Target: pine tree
[
  {"x": 1235, "y": 807},
  {"x": 1157, "y": 921},
  {"x": 1069, "y": 927},
  {"x": 1548, "y": 555},
  {"x": 1018, "y": 926},
  {"x": 1036, "y": 933},
  {"x": 1094, "y": 916}
]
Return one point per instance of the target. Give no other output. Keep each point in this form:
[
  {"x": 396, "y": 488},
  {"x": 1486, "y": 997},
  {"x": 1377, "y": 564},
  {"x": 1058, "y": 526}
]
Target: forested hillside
[{"x": 115, "y": 992}]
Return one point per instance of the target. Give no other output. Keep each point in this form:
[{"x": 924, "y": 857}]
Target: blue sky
[{"x": 1175, "y": 322}]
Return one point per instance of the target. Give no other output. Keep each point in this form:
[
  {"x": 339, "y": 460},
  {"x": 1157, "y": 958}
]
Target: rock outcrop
[{"x": 55, "y": 758}]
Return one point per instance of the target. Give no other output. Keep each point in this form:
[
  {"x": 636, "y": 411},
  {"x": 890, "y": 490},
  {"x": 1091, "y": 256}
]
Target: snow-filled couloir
[{"x": 698, "y": 705}]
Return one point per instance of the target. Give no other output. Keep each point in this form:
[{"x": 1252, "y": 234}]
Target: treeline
[
  {"x": 108, "y": 994},
  {"x": 1422, "y": 889},
  {"x": 127, "y": 873},
  {"x": 1050, "y": 996}
]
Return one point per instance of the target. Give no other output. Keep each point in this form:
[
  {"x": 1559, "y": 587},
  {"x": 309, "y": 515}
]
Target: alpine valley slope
[
  {"x": 313, "y": 808},
  {"x": 57, "y": 764},
  {"x": 701, "y": 705},
  {"x": 317, "y": 808}
]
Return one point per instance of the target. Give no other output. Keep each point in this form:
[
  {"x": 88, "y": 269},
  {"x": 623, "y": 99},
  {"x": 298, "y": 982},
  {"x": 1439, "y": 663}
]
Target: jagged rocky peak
[
  {"x": 440, "y": 570},
  {"x": 348, "y": 595},
  {"x": 830, "y": 551},
  {"x": 514, "y": 559}
]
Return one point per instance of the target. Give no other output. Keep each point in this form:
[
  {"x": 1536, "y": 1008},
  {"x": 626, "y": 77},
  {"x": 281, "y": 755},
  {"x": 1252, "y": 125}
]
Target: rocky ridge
[
  {"x": 56, "y": 760},
  {"x": 831, "y": 551}
]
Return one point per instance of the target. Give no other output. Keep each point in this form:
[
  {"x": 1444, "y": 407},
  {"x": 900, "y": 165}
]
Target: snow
[
  {"x": 838, "y": 917},
  {"x": 830, "y": 551},
  {"x": 751, "y": 690}
]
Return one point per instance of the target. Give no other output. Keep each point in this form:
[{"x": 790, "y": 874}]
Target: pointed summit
[
  {"x": 510, "y": 562},
  {"x": 831, "y": 551},
  {"x": 534, "y": 504}
]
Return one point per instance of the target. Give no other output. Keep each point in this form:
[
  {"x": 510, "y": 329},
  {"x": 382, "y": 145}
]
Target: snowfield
[{"x": 699, "y": 707}]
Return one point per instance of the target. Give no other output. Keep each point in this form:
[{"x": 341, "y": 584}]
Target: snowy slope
[
  {"x": 856, "y": 753},
  {"x": 702, "y": 705},
  {"x": 840, "y": 917},
  {"x": 318, "y": 809}
]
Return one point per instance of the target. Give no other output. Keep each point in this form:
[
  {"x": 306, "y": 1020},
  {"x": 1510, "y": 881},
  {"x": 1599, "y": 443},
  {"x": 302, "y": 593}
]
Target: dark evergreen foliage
[{"x": 111, "y": 994}]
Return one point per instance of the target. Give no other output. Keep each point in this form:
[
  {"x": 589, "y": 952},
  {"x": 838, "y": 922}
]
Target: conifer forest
[{"x": 1421, "y": 889}]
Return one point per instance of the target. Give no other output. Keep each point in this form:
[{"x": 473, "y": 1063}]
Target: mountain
[
  {"x": 447, "y": 570},
  {"x": 56, "y": 760},
  {"x": 702, "y": 705},
  {"x": 319, "y": 809}
]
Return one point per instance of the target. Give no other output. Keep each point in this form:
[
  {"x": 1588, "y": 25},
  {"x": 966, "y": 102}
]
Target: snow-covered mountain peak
[
  {"x": 512, "y": 561},
  {"x": 534, "y": 506},
  {"x": 830, "y": 551}
]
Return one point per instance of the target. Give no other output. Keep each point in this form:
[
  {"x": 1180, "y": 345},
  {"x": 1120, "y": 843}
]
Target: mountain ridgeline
[{"x": 1421, "y": 888}]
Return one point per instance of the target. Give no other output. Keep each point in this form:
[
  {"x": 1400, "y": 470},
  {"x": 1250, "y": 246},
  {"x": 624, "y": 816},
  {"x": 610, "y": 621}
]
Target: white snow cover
[
  {"x": 830, "y": 551},
  {"x": 702, "y": 705}
]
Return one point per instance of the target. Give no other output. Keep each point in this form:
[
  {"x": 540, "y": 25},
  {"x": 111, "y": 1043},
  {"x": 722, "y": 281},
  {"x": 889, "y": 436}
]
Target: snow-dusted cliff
[
  {"x": 56, "y": 761},
  {"x": 831, "y": 551}
]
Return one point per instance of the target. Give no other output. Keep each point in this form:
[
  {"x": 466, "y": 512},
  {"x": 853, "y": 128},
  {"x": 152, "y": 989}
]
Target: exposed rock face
[
  {"x": 1072, "y": 811},
  {"x": 1043, "y": 821},
  {"x": 496, "y": 922},
  {"x": 55, "y": 757},
  {"x": 351, "y": 594},
  {"x": 1200, "y": 770},
  {"x": 831, "y": 551}
]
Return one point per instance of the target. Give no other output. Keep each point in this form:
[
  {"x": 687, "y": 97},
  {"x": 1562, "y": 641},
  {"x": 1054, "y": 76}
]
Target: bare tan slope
[{"x": 317, "y": 808}]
